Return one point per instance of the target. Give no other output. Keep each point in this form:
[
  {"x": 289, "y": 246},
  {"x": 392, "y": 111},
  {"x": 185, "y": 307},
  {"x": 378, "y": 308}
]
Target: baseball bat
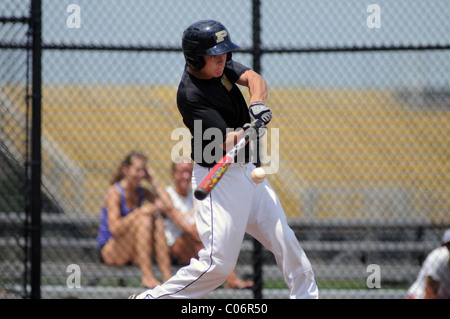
[{"x": 214, "y": 176}]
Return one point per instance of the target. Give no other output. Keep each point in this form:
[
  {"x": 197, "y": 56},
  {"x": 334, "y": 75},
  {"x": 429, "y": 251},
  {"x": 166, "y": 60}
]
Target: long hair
[{"x": 118, "y": 174}]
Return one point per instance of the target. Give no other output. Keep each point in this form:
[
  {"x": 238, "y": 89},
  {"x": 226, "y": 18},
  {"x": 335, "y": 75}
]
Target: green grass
[{"x": 336, "y": 284}]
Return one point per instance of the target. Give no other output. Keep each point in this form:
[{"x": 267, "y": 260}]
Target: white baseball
[{"x": 258, "y": 175}]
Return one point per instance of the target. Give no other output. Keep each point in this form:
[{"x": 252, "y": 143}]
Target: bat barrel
[
  {"x": 216, "y": 173},
  {"x": 200, "y": 193}
]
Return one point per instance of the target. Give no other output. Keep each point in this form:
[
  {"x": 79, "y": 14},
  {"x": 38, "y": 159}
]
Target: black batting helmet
[{"x": 206, "y": 37}]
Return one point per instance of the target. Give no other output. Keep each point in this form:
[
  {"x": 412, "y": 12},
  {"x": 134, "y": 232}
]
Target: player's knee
[{"x": 223, "y": 268}]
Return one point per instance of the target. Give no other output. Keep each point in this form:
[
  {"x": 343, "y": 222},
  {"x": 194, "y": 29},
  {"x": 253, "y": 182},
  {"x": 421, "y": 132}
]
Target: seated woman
[{"x": 131, "y": 226}]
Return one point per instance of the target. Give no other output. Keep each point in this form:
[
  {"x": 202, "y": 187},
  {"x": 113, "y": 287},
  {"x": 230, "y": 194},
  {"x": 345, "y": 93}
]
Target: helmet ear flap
[{"x": 196, "y": 63}]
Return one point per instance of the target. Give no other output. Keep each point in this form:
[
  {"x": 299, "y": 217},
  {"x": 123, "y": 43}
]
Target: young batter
[{"x": 208, "y": 95}]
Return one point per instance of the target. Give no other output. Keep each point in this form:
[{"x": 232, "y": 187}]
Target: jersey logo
[
  {"x": 221, "y": 35},
  {"x": 226, "y": 83}
]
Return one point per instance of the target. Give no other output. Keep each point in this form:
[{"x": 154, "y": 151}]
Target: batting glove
[
  {"x": 257, "y": 126},
  {"x": 260, "y": 111}
]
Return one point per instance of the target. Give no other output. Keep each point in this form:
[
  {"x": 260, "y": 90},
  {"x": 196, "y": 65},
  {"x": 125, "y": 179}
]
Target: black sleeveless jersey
[{"x": 210, "y": 109}]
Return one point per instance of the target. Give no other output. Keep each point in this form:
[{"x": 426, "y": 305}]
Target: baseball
[{"x": 258, "y": 175}]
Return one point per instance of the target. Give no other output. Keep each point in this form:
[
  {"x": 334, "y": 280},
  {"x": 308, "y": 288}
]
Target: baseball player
[{"x": 210, "y": 101}]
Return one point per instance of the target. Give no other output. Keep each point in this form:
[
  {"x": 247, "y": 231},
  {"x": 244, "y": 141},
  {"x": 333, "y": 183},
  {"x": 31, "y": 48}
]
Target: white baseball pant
[{"x": 235, "y": 206}]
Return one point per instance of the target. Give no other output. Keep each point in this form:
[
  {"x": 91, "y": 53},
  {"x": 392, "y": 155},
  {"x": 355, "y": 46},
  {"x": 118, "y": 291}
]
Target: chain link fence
[
  {"x": 361, "y": 102},
  {"x": 14, "y": 148}
]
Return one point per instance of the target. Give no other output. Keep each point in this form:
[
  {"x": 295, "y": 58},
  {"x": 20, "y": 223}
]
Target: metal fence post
[
  {"x": 35, "y": 193},
  {"x": 256, "y": 54}
]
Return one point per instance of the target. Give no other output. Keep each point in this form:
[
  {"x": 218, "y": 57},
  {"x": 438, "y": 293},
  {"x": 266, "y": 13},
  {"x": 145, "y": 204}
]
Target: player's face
[{"x": 214, "y": 65}]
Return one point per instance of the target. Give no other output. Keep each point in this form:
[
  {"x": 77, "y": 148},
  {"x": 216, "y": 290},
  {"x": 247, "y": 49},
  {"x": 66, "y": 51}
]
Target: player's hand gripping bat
[{"x": 210, "y": 181}]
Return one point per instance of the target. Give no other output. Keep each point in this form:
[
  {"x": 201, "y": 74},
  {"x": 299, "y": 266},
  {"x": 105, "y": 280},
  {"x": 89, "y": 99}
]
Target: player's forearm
[
  {"x": 256, "y": 84},
  {"x": 258, "y": 92}
]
